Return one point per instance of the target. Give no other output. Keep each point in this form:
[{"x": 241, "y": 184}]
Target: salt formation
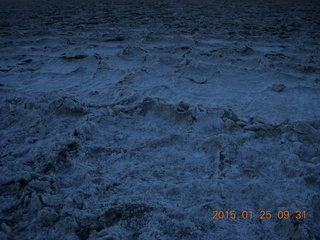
[{"x": 136, "y": 120}]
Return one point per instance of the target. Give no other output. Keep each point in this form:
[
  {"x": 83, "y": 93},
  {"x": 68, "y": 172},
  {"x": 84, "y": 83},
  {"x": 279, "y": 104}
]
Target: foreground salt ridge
[
  {"x": 151, "y": 169},
  {"x": 129, "y": 120}
]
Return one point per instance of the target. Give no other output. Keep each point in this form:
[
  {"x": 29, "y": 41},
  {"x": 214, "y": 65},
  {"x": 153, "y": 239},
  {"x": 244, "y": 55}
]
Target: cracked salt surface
[{"x": 136, "y": 120}]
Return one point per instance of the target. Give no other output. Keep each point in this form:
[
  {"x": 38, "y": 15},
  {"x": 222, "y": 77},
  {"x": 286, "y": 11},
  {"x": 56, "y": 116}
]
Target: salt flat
[{"x": 136, "y": 120}]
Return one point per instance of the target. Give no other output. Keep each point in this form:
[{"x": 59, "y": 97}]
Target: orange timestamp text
[{"x": 263, "y": 214}]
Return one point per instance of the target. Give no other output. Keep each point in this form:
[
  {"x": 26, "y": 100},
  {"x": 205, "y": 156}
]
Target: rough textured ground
[{"x": 136, "y": 120}]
